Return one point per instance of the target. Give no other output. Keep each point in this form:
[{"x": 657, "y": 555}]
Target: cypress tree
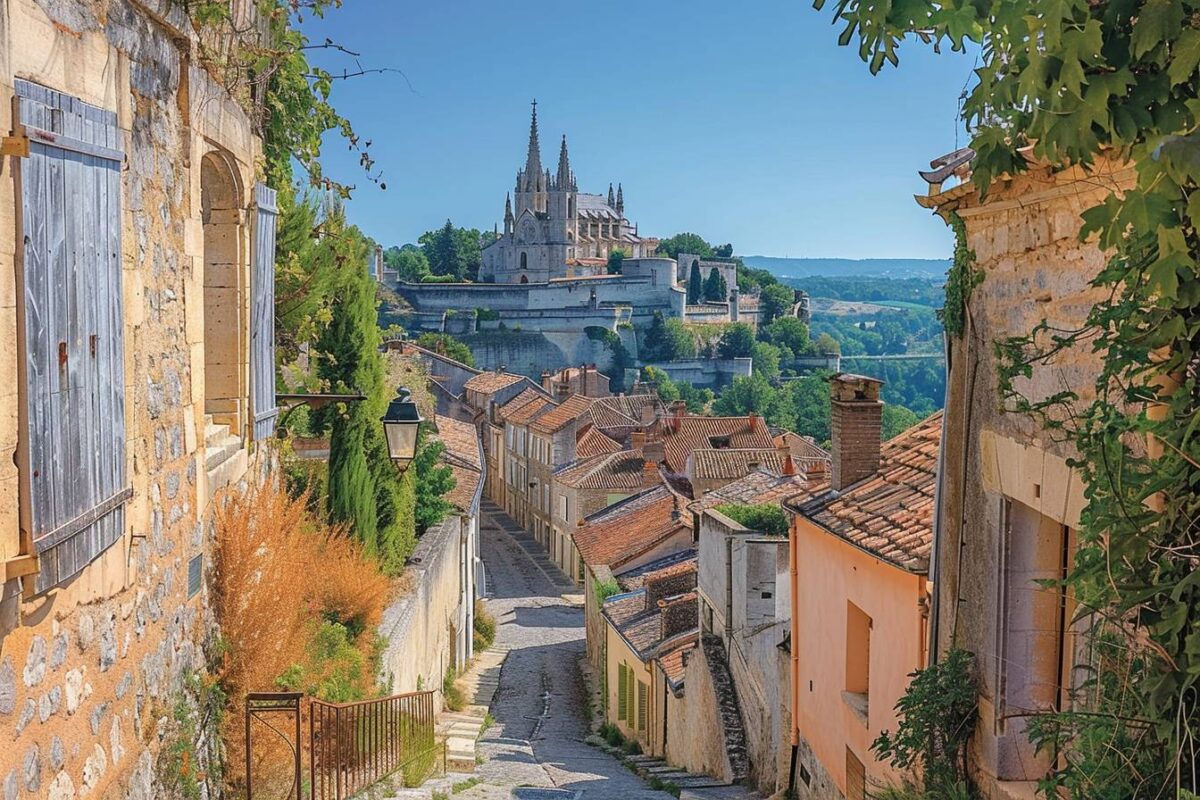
[
  {"x": 694, "y": 286},
  {"x": 715, "y": 288}
]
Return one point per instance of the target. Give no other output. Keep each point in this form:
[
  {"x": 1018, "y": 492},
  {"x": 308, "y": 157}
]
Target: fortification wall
[{"x": 706, "y": 373}]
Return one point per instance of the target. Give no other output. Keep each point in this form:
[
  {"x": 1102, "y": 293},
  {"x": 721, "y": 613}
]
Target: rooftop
[
  {"x": 631, "y": 527},
  {"x": 526, "y": 404},
  {"x": 685, "y": 433},
  {"x": 733, "y": 463},
  {"x": 889, "y": 514},
  {"x": 623, "y": 469},
  {"x": 562, "y": 415},
  {"x": 594, "y": 443},
  {"x": 489, "y": 382},
  {"x": 463, "y": 457},
  {"x": 763, "y": 486}
]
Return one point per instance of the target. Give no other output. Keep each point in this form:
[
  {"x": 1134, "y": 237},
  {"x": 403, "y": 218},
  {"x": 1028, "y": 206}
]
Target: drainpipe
[
  {"x": 794, "y": 600},
  {"x": 935, "y": 545}
]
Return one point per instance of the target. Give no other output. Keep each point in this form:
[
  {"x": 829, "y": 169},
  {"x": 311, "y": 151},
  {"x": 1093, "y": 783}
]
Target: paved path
[{"x": 540, "y": 699}]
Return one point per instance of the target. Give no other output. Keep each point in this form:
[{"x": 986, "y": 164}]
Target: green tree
[
  {"x": 808, "y": 402},
  {"x": 768, "y": 518},
  {"x": 766, "y": 360},
  {"x": 433, "y": 481},
  {"x": 695, "y": 284},
  {"x": 788, "y": 332},
  {"x": 826, "y": 344},
  {"x": 722, "y": 250},
  {"x": 746, "y": 395},
  {"x": 614, "y": 262},
  {"x": 446, "y": 345},
  {"x": 408, "y": 261},
  {"x": 896, "y": 420},
  {"x": 667, "y": 340},
  {"x": 442, "y": 251},
  {"x": 306, "y": 274},
  {"x": 774, "y": 302},
  {"x": 737, "y": 341},
  {"x": 692, "y": 243},
  {"x": 715, "y": 290}
]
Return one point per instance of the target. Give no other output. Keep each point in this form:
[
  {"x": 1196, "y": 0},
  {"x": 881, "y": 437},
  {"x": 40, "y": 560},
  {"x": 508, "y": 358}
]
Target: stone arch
[
  {"x": 524, "y": 279},
  {"x": 225, "y": 359}
]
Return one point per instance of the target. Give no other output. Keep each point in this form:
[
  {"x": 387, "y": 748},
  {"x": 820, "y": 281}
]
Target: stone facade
[
  {"x": 92, "y": 669},
  {"x": 1006, "y": 482}
]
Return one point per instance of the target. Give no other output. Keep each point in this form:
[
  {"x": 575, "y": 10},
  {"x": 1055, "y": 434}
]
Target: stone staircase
[
  {"x": 727, "y": 705},
  {"x": 224, "y": 454},
  {"x": 661, "y": 775}
]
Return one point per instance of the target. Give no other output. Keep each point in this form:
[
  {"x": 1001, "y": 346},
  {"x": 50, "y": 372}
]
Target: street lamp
[{"x": 400, "y": 425}]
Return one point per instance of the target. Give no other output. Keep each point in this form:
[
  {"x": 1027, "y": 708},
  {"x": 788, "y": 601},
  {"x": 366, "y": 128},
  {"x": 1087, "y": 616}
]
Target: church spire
[
  {"x": 611, "y": 200},
  {"x": 508, "y": 214},
  {"x": 563, "y": 181},
  {"x": 533, "y": 159},
  {"x": 620, "y": 200}
]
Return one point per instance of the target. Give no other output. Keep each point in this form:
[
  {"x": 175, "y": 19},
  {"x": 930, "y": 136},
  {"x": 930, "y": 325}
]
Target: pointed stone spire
[
  {"x": 508, "y": 213},
  {"x": 533, "y": 159},
  {"x": 611, "y": 199},
  {"x": 564, "y": 167},
  {"x": 620, "y": 200}
]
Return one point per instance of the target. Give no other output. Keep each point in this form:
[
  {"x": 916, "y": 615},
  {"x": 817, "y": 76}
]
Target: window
[
  {"x": 71, "y": 334},
  {"x": 856, "y": 777},
  {"x": 643, "y": 702},
  {"x": 524, "y": 260},
  {"x": 622, "y": 692},
  {"x": 563, "y": 505},
  {"x": 858, "y": 659}
]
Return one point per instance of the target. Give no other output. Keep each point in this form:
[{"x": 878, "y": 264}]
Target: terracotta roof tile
[
  {"x": 731, "y": 464},
  {"x": 635, "y": 578},
  {"x": 683, "y": 434},
  {"x": 627, "y": 529},
  {"x": 524, "y": 406},
  {"x": 621, "y": 411},
  {"x": 889, "y": 514},
  {"x": 640, "y": 627},
  {"x": 672, "y": 657},
  {"x": 466, "y": 482},
  {"x": 803, "y": 448},
  {"x": 461, "y": 440},
  {"x": 563, "y": 414},
  {"x": 621, "y": 470},
  {"x": 489, "y": 382},
  {"x": 761, "y": 487},
  {"x": 594, "y": 443}
]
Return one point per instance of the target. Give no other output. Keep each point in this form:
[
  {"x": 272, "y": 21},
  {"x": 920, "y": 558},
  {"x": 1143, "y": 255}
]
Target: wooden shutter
[
  {"x": 262, "y": 315},
  {"x": 73, "y": 370},
  {"x": 643, "y": 700},
  {"x": 856, "y": 777},
  {"x": 622, "y": 692}
]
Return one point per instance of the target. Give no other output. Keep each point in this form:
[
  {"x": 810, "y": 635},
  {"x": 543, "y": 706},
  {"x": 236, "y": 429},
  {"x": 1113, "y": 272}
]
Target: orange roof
[
  {"x": 489, "y": 382},
  {"x": 683, "y": 434},
  {"x": 763, "y": 486},
  {"x": 466, "y": 482},
  {"x": 672, "y": 657},
  {"x": 528, "y": 398},
  {"x": 461, "y": 440},
  {"x": 562, "y": 415},
  {"x": 802, "y": 447},
  {"x": 631, "y": 527},
  {"x": 594, "y": 443},
  {"x": 621, "y": 470},
  {"x": 730, "y": 463},
  {"x": 889, "y": 514},
  {"x": 621, "y": 411}
]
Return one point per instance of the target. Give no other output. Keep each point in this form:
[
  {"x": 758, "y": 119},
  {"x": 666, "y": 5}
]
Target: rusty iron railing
[{"x": 355, "y": 745}]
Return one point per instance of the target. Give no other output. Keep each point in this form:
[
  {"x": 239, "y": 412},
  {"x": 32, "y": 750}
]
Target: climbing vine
[
  {"x": 960, "y": 280},
  {"x": 1097, "y": 85}
]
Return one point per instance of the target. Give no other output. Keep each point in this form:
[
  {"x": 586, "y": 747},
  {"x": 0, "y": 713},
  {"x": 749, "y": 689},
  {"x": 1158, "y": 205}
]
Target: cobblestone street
[{"x": 540, "y": 705}]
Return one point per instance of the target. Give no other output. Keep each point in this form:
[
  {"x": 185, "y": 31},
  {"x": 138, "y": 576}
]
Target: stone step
[{"x": 218, "y": 452}]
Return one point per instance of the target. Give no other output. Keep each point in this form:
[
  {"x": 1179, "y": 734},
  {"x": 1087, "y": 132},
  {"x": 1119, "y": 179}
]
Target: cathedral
[{"x": 552, "y": 230}]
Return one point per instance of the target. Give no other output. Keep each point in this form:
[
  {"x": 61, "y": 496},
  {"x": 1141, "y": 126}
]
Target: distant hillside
[{"x": 849, "y": 267}]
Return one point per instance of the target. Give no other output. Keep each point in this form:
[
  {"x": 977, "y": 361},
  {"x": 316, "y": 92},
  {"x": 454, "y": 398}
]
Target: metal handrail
[{"x": 355, "y": 745}]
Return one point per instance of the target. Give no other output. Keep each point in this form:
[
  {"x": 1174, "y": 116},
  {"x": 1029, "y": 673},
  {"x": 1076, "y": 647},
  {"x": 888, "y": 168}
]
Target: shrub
[
  {"x": 452, "y": 693},
  {"x": 612, "y": 734},
  {"x": 484, "y": 633},
  {"x": 298, "y": 603},
  {"x": 766, "y": 517}
]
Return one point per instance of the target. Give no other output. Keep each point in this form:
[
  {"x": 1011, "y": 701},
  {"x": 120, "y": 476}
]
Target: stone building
[
  {"x": 555, "y": 231},
  {"x": 585, "y": 379},
  {"x": 136, "y": 288},
  {"x": 1009, "y": 503}
]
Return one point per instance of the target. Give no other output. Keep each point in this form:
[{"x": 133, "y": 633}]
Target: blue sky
[{"x": 744, "y": 122}]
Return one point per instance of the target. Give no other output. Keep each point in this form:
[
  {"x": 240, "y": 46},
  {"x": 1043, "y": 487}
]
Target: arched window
[
  {"x": 224, "y": 325},
  {"x": 524, "y": 260}
]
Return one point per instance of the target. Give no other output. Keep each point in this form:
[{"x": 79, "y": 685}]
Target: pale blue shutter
[
  {"x": 73, "y": 376},
  {"x": 262, "y": 316}
]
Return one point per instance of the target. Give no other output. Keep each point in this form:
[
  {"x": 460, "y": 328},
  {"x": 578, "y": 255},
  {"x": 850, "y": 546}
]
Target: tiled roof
[
  {"x": 802, "y": 447},
  {"x": 528, "y": 398},
  {"x": 594, "y": 443},
  {"x": 761, "y": 487},
  {"x": 683, "y": 434},
  {"x": 627, "y": 529},
  {"x": 621, "y": 411},
  {"x": 461, "y": 440},
  {"x": 672, "y": 657},
  {"x": 621, "y": 470},
  {"x": 889, "y": 514},
  {"x": 636, "y": 578},
  {"x": 640, "y": 627},
  {"x": 731, "y": 464},
  {"x": 563, "y": 414},
  {"x": 466, "y": 482},
  {"x": 489, "y": 382}
]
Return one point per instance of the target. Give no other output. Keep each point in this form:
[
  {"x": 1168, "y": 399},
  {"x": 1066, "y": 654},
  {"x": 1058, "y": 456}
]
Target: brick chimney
[
  {"x": 679, "y": 580},
  {"x": 679, "y": 614},
  {"x": 637, "y": 440},
  {"x": 653, "y": 450},
  {"x": 648, "y": 415},
  {"x": 855, "y": 422},
  {"x": 650, "y": 474}
]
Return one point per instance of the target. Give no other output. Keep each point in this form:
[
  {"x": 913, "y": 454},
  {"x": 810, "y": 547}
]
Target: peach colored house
[{"x": 860, "y": 594}]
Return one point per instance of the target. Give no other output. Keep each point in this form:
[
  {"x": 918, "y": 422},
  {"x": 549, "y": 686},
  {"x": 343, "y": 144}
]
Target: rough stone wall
[
  {"x": 1034, "y": 268},
  {"x": 419, "y": 625},
  {"x": 528, "y": 353},
  {"x": 90, "y": 673},
  {"x": 694, "y": 739},
  {"x": 706, "y": 373}
]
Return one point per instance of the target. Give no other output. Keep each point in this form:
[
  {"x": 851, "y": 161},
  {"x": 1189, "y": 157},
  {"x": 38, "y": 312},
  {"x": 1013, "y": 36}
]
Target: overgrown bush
[
  {"x": 452, "y": 693},
  {"x": 484, "y": 628},
  {"x": 298, "y": 605},
  {"x": 937, "y": 716},
  {"x": 766, "y": 517},
  {"x": 612, "y": 734}
]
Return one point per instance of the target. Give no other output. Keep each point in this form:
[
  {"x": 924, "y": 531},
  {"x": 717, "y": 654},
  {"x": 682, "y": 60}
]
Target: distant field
[
  {"x": 850, "y": 268},
  {"x": 903, "y": 304}
]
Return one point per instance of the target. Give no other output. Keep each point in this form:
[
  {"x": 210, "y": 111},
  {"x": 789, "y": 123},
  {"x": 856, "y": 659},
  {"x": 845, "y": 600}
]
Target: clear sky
[{"x": 744, "y": 122}]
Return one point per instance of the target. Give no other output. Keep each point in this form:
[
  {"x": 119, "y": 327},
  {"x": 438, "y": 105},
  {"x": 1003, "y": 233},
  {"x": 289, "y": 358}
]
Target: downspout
[
  {"x": 794, "y": 601},
  {"x": 935, "y": 546}
]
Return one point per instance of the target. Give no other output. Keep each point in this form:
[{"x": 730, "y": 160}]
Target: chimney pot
[{"x": 855, "y": 422}]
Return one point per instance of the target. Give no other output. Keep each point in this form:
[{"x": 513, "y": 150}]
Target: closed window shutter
[
  {"x": 630, "y": 699},
  {"x": 73, "y": 366},
  {"x": 262, "y": 315},
  {"x": 622, "y": 689},
  {"x": 856, "y": 777},
  {"x": 643, "y": 699}
]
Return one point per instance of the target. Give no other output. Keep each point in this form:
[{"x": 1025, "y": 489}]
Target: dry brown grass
[{"x": 280, "y": 573}]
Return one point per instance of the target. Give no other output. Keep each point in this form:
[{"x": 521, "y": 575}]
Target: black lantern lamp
[{"x": 400, "y": 425}]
